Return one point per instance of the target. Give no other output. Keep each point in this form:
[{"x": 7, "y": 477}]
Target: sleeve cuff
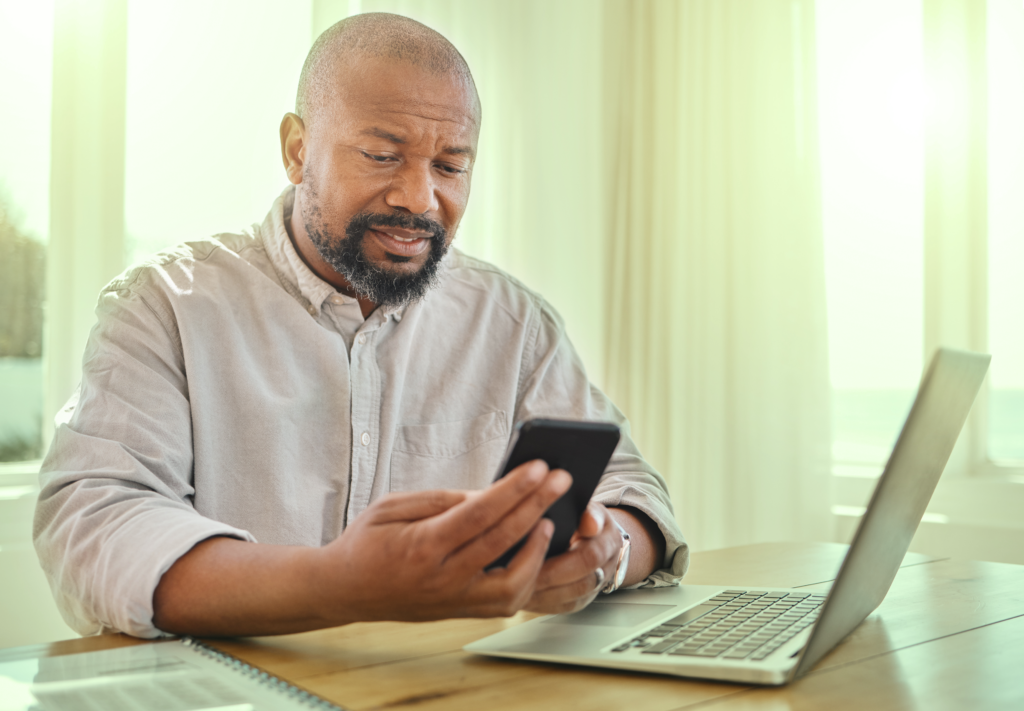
[
  {"x": 677, "y": 552},
  {"x": 132, "y": 562}
]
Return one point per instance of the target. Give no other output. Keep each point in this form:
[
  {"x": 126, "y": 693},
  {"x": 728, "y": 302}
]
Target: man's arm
[
  {"x": 646, "y": 543},
  {"x": 631, "y": 490},
  {"x": 409, "y": 556}
]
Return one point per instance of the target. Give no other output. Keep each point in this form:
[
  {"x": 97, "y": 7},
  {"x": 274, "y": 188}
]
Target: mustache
[{"x": 368, "y": 220}]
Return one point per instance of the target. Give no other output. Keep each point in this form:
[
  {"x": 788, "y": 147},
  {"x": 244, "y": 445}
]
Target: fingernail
[
  {"x": 537, "y": 471},
  {"x": 564, "y": 479}
]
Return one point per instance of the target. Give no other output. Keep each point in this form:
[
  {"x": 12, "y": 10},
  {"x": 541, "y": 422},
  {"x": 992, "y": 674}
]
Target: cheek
[
  {"x": 340, "y": 195},
  {"x": 454, "y": 200}
]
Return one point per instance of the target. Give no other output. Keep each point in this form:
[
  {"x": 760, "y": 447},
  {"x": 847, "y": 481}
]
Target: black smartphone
[{"x": 581, "y": 448}]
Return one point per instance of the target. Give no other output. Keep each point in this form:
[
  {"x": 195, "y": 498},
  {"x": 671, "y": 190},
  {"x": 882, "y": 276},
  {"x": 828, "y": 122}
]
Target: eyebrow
[{"x": 388, "y": 136}]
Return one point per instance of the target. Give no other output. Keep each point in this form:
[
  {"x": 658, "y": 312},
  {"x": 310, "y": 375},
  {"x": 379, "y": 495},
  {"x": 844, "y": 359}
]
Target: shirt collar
[{"x": 298, "y": 279}]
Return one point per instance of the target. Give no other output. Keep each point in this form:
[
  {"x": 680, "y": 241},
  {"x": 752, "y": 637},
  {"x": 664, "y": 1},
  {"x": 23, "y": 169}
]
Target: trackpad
[{"x": 610, "y": 614}]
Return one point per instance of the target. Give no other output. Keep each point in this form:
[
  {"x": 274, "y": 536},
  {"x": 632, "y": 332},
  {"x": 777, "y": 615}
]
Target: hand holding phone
[{"x": 581, "y": 448}]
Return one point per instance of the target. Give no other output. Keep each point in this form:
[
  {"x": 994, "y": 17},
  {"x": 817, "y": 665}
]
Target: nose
[{"x": 413, "y": 189}]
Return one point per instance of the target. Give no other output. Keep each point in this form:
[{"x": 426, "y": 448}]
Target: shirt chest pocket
[{"x": 464, "y": 454}]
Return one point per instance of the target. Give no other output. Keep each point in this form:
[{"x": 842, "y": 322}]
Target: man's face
[{"x": 386, "y": 176}]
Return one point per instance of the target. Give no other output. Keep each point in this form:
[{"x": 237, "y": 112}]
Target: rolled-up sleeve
[
  {"x": 115, "y": 509},
  {"x": 555, "y": 384}
]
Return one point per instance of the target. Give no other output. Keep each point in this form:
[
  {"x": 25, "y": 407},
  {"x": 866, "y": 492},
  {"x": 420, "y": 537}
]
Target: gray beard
[{"x": 376, "y": 282}]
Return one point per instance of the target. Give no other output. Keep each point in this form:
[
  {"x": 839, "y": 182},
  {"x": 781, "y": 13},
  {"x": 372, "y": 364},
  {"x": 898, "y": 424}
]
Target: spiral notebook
[{"x": 179, "y": 675}]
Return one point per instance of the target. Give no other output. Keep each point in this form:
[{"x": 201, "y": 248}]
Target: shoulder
[
  {"x": 175, "y": 270},
  {"x": 469, "y": 276}
]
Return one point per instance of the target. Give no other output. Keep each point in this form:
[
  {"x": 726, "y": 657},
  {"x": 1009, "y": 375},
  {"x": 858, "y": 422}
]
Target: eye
[
  {"x": 450, "y": 169},
  {"x": 376, "y": 158}
]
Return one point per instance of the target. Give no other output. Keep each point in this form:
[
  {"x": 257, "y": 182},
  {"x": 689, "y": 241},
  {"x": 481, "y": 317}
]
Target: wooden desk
[{"x": 950, "y": 634}]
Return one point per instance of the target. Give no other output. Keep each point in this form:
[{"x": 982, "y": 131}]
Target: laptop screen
[{"x": 901, "y": 496}]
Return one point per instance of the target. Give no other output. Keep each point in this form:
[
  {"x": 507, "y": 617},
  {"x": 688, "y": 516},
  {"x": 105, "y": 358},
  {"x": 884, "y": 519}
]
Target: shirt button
[
  {"x": 337, "y": 299},
  {"x": 362, "y": 340},
  {"x": 311, "y": 309},
  {"x": 365, "y": 439}
]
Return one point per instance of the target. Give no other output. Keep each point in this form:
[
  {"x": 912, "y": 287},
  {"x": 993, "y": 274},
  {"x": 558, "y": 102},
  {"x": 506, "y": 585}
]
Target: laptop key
[
  {"x": 737, "y": 654},
  {"x": 712, "y": 651},
  {"x": 660, "y": 648}
]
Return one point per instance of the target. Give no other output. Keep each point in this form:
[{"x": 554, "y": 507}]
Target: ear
[{"x": 293, "y": 146}]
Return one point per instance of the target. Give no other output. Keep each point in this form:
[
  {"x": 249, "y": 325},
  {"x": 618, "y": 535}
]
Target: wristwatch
[{"x": 622, "y": 566}]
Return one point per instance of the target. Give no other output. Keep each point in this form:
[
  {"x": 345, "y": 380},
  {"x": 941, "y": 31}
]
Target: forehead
[{"x": 370, "y": 90}]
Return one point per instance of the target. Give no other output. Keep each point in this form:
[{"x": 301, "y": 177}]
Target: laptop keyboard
[{"x": 735, "y": 624}]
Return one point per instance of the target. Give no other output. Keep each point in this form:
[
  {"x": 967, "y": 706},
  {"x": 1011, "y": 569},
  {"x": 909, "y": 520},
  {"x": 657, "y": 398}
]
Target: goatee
[{"x": 376, "y": 282}]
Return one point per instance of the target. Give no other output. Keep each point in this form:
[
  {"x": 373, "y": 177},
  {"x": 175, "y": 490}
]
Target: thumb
[{"x": 593, "y": 520}]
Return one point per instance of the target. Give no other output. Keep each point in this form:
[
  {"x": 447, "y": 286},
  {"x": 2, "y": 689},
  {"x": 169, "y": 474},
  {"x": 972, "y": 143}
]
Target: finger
[
  {"x": 567, "y": 598},
  {"x": 491, "y": 543},
  {"x": 415, "y": 505},
  {"x": 530, "y": 558},
  {"x": 580, "y": 562},
  {"x": 478, "y": 513},
  {"x": 592, "y": 521},
  {"x": 508, "y": 589}
]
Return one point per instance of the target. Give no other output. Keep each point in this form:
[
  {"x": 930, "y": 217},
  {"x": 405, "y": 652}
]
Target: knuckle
[
  {"x": 477, "y": 518},
  {"x": 437, "y": 498}
]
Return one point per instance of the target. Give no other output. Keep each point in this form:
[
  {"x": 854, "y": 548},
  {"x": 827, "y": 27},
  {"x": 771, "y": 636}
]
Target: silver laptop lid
[{"x": 940, "y": 409}]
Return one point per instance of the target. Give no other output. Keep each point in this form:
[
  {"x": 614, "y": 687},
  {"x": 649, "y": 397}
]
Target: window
[
  {"x": 872, "y": 99},
  {"x": 872, "y": 152},
  {"x": 1006, "y": 230},
  {"x": 872, "y": 104},
  {"x": 26, "y": 42}
]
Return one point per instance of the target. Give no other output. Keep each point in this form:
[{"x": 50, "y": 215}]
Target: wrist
[
  {"x": 647, "y": 543},
  {"x": 322, "y": 589}
]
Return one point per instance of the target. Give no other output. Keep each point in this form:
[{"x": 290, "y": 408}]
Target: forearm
[
  {"x": 409, "y": 556},
  {"x": 227, "y": 587},
  {"x": 646, "y": 543}
]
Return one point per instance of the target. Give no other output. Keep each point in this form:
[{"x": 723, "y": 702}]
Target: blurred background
[{"x": 758, "y": 219}]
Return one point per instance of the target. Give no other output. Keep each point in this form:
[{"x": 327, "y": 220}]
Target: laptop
[{"x": 762, "y": 635}]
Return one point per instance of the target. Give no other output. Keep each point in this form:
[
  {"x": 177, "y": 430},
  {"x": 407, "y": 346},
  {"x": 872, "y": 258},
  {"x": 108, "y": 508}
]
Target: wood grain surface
[{"x": 950, "y": 634}]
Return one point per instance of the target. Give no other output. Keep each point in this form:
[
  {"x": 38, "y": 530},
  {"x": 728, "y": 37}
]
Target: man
[{"x": 338, "y": 386}]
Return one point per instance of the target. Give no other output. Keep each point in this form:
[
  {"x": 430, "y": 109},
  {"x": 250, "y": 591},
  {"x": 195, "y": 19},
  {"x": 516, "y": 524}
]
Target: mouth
[{"x": 401, "y": 242}]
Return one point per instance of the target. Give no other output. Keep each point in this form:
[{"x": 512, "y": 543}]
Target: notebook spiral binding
[{"x": 263, "y": 678}]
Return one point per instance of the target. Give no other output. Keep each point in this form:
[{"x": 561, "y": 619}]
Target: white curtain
[{"x": 716, "y": 344}]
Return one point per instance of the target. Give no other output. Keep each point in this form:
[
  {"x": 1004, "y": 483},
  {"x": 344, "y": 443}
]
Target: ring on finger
[{"x": 599, "y": 573}]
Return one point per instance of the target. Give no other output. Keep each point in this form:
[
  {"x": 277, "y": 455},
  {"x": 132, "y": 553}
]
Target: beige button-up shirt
[{"x": 228, "y": 391}]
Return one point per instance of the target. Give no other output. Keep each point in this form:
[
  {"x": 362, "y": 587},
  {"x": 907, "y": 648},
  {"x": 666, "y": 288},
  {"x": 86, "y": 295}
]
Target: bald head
[{"x": 377, "y": 35}]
